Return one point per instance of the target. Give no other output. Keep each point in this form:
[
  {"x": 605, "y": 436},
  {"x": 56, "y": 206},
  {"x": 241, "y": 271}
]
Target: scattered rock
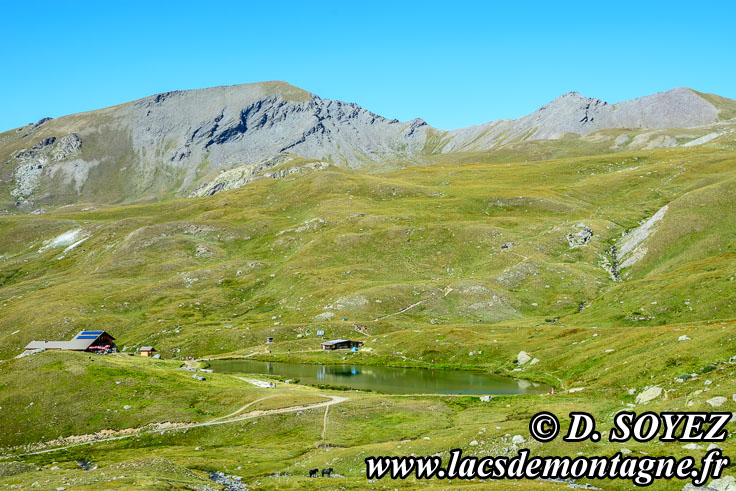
[
  {"x": 683, "y": 338},
  {"x": 86, "y": 465},
  {"x": 649, "y": 394},
  {"x": 202, "y": 250},
  {"x": 726, "y": 483},
  {"x": 692, "y": 446},
  {"x": 231, "y": 483},
  {"x": 518, "y": 439},
  {"x": 581, "y": 237},
  {"x": 347, "y": 303},
  {"x": 717, "y": 401},
  {"x": 523, "y": 358}
]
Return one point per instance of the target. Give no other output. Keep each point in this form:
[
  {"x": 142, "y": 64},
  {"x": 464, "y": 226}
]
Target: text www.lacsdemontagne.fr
[{"x": 642, "y": 471}]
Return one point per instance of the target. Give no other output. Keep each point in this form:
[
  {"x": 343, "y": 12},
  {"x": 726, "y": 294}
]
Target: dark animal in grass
[
  {"x": 327, "y": 472},
  {"x": 313, "y": 472}
]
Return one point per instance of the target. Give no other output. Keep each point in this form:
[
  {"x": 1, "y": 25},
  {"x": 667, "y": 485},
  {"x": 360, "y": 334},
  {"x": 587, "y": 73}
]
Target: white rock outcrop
[
  {"x": 649, "y": 394},
  {"x": 717, "y": 401}
]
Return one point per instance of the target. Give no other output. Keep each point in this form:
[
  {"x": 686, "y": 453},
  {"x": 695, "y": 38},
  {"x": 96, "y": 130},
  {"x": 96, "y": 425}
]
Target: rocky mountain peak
[{"x": 179, "y": 141}]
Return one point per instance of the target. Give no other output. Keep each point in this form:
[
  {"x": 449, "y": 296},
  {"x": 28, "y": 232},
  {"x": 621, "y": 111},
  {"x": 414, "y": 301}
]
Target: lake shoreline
[{"x": 383, "y": 379}]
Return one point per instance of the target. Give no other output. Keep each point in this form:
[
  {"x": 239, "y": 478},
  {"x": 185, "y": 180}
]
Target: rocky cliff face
[
  {"x": 32, "y": 162},
  {"x": 251, "y": 123},
  {"x": 177, "y": 143}
]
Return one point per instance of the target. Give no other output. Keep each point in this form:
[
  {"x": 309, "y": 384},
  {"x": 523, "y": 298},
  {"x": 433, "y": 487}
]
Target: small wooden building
[
  {"x": 147, "y": 351},
  {"x": 341, "y": 344}
]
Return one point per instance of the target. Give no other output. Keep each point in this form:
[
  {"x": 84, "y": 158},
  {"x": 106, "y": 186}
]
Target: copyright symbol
[{"x": 544, "y": 426}]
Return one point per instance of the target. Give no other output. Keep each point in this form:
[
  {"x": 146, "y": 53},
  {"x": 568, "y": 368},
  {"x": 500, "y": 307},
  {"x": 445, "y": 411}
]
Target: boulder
[
  {"x": 648, "y": 394},
  {"x": 324, "y": 316},
  {"x": 717, "y": 401},
  {"x": 726, "y": 483},
  {"x": 692, "y": 446},
  {"x": 581, "y": 237},
  {"x": 690, "y": 487},
  {"x": 523, "y": 358},
  {"x": 518, "y": 439}
]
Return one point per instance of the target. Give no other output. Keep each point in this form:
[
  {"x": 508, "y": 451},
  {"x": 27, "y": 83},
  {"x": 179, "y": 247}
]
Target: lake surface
[{"x": 388, "y": 380}]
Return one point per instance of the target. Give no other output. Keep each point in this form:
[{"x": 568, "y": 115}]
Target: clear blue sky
[{"x": 452, "y": 63}]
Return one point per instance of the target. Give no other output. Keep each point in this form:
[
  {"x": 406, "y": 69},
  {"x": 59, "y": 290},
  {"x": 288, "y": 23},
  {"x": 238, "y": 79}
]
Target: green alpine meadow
[{"x": 578, "y": 259}]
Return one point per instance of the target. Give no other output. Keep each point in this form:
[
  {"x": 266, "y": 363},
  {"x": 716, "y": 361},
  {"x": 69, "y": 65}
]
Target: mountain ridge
[{"x": 172, "y": 143}]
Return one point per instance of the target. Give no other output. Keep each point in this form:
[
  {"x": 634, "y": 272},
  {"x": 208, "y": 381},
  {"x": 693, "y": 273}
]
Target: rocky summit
[{"x": 179, "y": 143}]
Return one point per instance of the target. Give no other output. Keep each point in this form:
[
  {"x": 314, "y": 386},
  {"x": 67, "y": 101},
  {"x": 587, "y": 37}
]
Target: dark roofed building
[
  {"x": 84, "y": 341},
  {"x": 341, "y": 344}
]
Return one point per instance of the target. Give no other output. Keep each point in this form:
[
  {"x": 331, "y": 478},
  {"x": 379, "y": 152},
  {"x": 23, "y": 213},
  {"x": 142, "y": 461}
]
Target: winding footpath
[{"x": 222, "y": 420}]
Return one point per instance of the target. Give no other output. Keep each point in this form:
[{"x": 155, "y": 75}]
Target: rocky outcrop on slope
[
  {"x": 38, "y": 159},
  {"x": 244, "y": 174}
]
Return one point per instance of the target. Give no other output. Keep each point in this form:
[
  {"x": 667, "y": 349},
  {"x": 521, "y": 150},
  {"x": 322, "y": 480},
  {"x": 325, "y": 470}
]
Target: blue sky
[{"x": 452, "y": 63}]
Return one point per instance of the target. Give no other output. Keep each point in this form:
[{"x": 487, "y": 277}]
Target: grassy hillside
[
  {"x": 477, "y": 252},
  {"x": 474, "y": 243}
]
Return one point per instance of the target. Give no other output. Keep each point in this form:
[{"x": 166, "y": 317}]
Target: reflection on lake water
[{"x": 389, "y": 380}]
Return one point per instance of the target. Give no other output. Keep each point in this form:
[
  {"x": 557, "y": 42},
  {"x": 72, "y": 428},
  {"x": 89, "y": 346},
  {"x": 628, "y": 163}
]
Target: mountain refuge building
[
  {"x": 341, "y": 344},
  {"x": 92, "y": 341}
]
